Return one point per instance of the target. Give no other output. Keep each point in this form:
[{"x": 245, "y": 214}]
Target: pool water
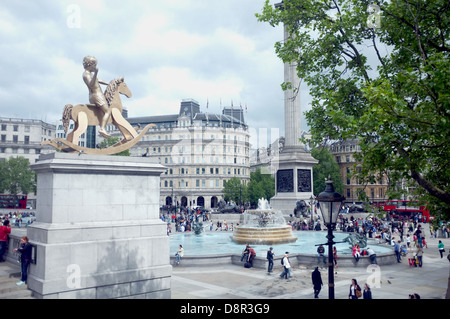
[{"x": 212, "y": 243}]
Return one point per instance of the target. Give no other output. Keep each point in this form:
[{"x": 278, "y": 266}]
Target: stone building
[
  {"x": 344, "y": 155},
  {"x": 200, "y": 150},
  {"x": 23, "y": 137}
]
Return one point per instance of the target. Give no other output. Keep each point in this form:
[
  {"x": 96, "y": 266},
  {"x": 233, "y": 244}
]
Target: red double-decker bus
[
  {"x": 13, "y": 201},
  {"x": 401, "y": 209}
]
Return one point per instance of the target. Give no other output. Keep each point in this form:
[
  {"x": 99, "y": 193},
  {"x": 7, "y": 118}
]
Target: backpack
[{"x": 282, "y": 261}]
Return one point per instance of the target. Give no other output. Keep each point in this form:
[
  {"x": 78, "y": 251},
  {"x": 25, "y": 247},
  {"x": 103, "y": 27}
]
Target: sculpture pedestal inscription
[{"x": 293, "y": 179}]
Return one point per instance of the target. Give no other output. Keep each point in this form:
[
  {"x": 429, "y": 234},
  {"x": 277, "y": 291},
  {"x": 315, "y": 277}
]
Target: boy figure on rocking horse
[{"x": 96, "y": 95}]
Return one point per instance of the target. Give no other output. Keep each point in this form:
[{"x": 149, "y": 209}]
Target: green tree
[
  {"x": 326, "y": 167},
  {"x": 16, "y": 177},
  {"x": 112, "y": 141},
  {"x": 378, "y": 73},
  {"x": 260, "y": 186},
  {"x": 235, "y": 191}
]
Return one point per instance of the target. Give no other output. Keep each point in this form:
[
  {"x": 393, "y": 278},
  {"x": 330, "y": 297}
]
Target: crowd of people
[
  {"x": 19, "y": 218},
  {"x": 182, "y": 220}
]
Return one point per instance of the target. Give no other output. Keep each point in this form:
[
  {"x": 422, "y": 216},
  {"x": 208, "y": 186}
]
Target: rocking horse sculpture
[{"x": 104, "y": 109}]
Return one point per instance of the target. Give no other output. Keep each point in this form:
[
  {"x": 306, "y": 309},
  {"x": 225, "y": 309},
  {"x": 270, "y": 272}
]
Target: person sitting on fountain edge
[
  {"x": 251, "y": 256},
  {"x": 245, "y": 253}
]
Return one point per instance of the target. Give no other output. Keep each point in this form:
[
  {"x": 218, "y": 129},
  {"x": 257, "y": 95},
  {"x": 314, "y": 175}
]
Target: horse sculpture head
[
  {"x": 123, "y": 89},
  {"x": 116, "y": 86}
]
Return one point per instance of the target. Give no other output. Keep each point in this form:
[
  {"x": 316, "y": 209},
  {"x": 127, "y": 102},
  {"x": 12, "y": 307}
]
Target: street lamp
[{"x": 329, "y": 203}]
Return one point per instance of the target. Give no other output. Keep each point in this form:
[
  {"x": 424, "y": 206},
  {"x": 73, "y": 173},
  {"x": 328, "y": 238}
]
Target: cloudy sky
[{"x": 209, "y": 50}]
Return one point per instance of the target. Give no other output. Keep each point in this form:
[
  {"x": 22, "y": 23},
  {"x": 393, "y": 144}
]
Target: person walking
[
  {"x": 286, "y": 265},
  {"x": 441, "y": 248},
  {"x": 411, "y": 259},
  {"x": 270, "y": 255},
  {"x": 367, "y": 293},
  {"x": 419, "y": 235},
  {"x": 397, "y": 251},
  {"x": 419, "y": 255},
  {"x": 321, "y": 254},
  {"x": 317, "y": 282},
  {"x": 25, "y": 250},
  {"x": 5, "y": 230},
  {"x": 355, "y": 290},
  {"x": 335, "y": 257}
]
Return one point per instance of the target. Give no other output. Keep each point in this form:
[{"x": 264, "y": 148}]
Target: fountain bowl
[
  {"x": 263, "y": 227},
  {"x": 263, "y": 236}
]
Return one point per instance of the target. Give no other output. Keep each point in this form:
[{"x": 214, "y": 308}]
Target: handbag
[{"x": 358, "y": 293}]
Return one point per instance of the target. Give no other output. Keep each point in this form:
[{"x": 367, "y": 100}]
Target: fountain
[{"x": 263, "y": 226}]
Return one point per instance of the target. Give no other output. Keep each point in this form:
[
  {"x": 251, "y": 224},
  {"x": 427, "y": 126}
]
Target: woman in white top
[
  {"x": 179, "y": 254},
  {"x": 287, "y": 266}
]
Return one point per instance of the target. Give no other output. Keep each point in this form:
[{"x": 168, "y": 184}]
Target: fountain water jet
[{"x": 263, "y": 226}]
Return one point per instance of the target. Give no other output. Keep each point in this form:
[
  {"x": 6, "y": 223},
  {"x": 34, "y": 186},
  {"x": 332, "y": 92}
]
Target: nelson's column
[{"x": 294, "y": 178}]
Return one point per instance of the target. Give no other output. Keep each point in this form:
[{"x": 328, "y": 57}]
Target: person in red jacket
[{"x": 5, "y": 230}]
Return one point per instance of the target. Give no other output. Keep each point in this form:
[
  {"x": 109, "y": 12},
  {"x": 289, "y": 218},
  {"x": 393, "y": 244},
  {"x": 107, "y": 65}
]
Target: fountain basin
[
  {"x": 263, "y": 236},
  {"x": 263, "y": 226}
]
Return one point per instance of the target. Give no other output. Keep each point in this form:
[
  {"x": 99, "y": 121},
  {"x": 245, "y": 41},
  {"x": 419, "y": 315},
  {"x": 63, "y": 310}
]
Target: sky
[{"x": 215, "y": 52}]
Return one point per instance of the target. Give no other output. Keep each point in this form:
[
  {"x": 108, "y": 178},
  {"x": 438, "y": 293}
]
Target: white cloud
[{"x": 212, "y": 51}]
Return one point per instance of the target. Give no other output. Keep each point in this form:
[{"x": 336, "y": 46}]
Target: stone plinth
[
  {"x": 97, "y": 230},
  {"x": 294, "y": 179}
]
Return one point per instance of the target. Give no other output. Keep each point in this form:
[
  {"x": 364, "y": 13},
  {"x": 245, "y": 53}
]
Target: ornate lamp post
[{"x": 329, "y": 203}]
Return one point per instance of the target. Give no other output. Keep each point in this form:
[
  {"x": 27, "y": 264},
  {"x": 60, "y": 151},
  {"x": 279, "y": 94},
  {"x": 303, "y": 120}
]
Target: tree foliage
[
  {"x": 112, "y": 141},
  {"x": 234, "y": 191},
  {"x": 260, "y": 186},
  {"x": 326, "y": 167},
  {"x": 16, "y": 177},
  {"x": 377, "y": 72}
]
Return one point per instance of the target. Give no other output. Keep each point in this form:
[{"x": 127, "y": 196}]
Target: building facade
[
  {"x": 200, "y": 150},
  {"x": 344, "y": 155},
  {"x": 89, "y": 139},
  {"x": 23, "y": 137}
]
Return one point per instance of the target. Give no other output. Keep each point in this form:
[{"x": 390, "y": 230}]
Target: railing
[{"x": 13, "y": 243}]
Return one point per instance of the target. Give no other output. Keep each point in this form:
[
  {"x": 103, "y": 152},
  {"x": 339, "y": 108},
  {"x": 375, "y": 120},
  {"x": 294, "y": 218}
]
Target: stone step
[{"x": 9, "y": 276}]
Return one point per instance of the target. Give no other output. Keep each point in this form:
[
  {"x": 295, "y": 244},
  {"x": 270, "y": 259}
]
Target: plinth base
[{"x": 97, "y": 231}]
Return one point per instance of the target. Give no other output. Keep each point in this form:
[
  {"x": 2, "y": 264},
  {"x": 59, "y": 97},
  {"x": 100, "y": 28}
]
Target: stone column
[
  {"x": 292, "y": 106},
  {"x": 97, "y": 230},
  {"x": 294, "y": 177}
]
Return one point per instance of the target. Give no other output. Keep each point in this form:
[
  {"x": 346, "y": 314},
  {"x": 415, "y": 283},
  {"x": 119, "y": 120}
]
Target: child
[
  {"x": 25, "y": 258},
  {"x": 410, "y": 257},
  {"x": 96, "y": 95}
]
